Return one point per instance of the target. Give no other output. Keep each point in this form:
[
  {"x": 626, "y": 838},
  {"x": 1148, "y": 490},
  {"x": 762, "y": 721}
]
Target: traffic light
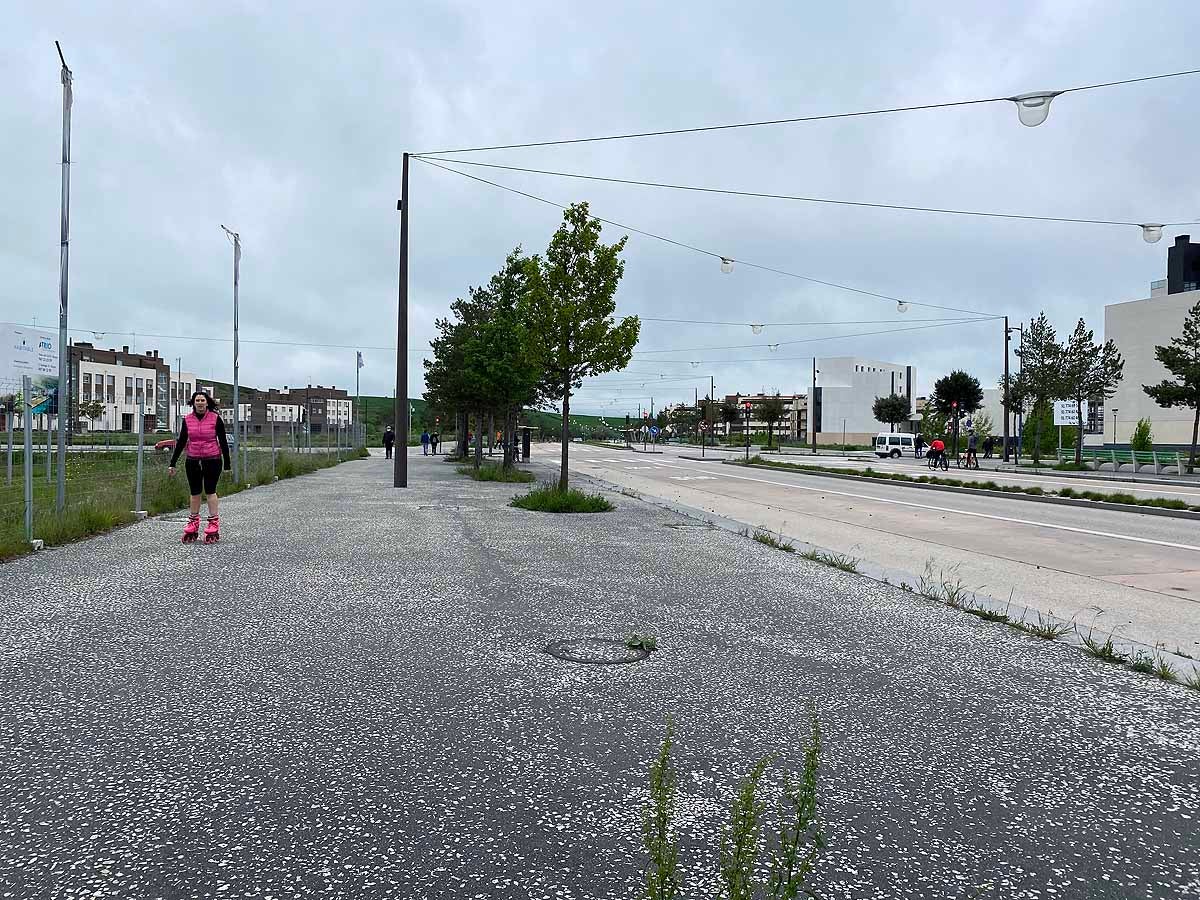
[{"x": 52, "y": 402}]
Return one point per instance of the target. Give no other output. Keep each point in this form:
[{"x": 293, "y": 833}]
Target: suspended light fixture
[
  {"x": 772, "y": 347},
  {"x": 695, "y": 363},
  {"x": 726, "y": 265},
  {"x": 901, "y": 306},
  {"x": 1032, "y": 108},
  {"x": 757, "y": 329},
  {"x": 1152, "y": 234}
]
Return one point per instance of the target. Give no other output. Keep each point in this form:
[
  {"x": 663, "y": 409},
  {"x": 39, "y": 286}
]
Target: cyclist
[{"x": 937, "y": 450}]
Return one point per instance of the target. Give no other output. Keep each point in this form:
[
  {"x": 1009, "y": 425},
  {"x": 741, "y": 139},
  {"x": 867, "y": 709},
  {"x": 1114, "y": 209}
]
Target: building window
[
  {"x": 129, "y": 391},
  {"x": 87, "y": 387},
  {"x": 112, "y": 389}
]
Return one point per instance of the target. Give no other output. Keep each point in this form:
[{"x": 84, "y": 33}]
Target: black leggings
[{"x": 203, "y": 473}]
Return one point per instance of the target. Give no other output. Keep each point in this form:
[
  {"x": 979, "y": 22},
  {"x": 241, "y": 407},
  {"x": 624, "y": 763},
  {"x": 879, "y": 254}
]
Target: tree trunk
[
  {"x": 566, "y": 437},
  {"x": 478, "y": 439},
  {"x": 1195, "y": 434},
  {"x": 770, "y": 434},
  {"x": 509, "y": 437},
  {"x": 1079, "y": 436},
  {"x": 491, "y": 433}
]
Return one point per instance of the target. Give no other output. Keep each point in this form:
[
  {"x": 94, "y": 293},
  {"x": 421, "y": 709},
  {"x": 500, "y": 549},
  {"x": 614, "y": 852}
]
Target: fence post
[
  {"x": 26, "y": 390},
  {"x": 141, "y": 449},
  {"x": 11, "y": 411},
  {"x": 272, "y": 451},
  {"x": 49, "y": 479}
]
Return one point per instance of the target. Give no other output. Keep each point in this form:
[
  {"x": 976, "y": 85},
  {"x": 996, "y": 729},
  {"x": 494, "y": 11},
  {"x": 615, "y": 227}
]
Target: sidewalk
[{"x": 349, "y": 697}]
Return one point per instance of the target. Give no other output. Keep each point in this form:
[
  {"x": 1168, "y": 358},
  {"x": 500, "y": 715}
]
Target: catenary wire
[
  {"x": 794, "y": 119},
  {"x": 711, "y": 253},
  {"x": 802, "y": 199}
]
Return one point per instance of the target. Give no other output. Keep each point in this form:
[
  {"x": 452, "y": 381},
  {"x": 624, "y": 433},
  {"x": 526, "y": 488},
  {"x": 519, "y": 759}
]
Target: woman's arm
[
  {"x": 180, "y": 442},
  {"x": 221, "y": 439}
]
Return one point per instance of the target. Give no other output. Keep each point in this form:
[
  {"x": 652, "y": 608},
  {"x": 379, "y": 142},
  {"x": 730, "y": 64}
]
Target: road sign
[
  {"x": 1065, "y": 413},
  {"x": 653, "y": 431}
]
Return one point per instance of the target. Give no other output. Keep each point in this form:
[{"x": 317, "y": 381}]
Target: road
[{"x": 1136, "y": 573}]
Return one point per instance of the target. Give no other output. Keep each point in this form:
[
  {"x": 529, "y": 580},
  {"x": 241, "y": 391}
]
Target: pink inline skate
[
  {"x": 212, "y": 532},
  {"x": 191, "y": 529}
]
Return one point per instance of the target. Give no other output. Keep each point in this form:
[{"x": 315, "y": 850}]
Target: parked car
[{"x": 893, "y": 445}]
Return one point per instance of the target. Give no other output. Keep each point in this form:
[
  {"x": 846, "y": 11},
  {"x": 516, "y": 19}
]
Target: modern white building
[
  {"x": 845, "y": 394},
  {"x": 1137, "y": 327}
]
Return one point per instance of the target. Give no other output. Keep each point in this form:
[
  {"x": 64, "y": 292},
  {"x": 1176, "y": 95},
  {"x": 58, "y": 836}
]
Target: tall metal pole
[
  {"x": 64, "y": 398},
  {"x": 237, "y": 413},
  {"x": 26, "y": 391},
  {"x": 11, "y": 411},
  {"x": 812, "y": 408},
  {"x": 141, "y": 434},
  {"x": 400, "y": 413},
  {"x": 358, "y": 391},
  {"x": 1007, "y": 393}
]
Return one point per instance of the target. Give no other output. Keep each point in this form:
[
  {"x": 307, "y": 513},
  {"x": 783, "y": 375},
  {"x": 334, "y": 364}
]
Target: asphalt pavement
[
  {"x": 1134, "y": 574},
  {"x": 350, "y": 696}
]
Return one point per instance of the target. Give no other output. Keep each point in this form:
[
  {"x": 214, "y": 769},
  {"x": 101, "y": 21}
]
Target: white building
[
  {"x": 1137, "y": 327},
  {"x": 846, "y": 390},
  {"x": 793, "y": 426}
]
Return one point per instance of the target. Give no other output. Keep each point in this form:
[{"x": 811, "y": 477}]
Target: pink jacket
[{"x": 202, "y": 436}]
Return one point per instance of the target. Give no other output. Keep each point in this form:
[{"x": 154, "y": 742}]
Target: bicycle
[{"x": 938, "y": 459}]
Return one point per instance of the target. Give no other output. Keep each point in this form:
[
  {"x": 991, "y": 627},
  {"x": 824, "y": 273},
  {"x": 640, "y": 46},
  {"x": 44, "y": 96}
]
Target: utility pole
[
  {"x": 812, "y": 408},
  {"x": 178, "y": 388},
  {"x": 64, "y": 394},
  {"x": 237, "y": 413},
  {"x": 1007, "y": 393},
  {"x": 400, "y": 458}
]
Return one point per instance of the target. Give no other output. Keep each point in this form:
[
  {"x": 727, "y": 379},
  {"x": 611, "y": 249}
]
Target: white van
[{"x": 894, "y": 445}]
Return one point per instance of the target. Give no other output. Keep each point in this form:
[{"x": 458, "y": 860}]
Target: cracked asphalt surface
[{"x": 349, "y": 697}]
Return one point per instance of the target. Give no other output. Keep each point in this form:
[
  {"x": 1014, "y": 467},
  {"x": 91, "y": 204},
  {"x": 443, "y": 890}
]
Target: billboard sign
[
  {"x": 1065, "y": 413},
  {"x": 33, "y": 352}
]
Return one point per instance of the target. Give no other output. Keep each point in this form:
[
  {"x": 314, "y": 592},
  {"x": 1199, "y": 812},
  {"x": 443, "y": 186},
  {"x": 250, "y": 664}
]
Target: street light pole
[
  {"x": 812, "y": 408},
  {"x": 1006, "y": 399},
  {"x": 237, "y": 413},
  {"x": 400, "y": 460},
  {"x": 64, "y": 395}
]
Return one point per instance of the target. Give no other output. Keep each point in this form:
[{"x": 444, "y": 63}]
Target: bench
[{"x": 1097, "y": 457}]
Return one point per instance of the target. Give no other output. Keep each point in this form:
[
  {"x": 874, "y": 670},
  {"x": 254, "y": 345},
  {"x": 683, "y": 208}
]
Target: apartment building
[
  {"x": 115, "y": 384},
  {"x": 793, "y": 426}
]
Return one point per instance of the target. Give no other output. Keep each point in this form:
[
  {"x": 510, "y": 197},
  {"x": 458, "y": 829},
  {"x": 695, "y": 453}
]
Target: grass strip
[
  {"x": 494, "y": 472},
  {"x": 548, "y": 498}
]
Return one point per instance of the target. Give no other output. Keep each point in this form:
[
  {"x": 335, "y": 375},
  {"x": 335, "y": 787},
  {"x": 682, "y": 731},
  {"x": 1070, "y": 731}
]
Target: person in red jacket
[{"x": 203, "y": 434}]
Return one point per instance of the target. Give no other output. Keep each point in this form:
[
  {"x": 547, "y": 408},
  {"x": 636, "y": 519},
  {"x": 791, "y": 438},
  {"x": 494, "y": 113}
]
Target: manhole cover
[{"x": 595, "y": 650}]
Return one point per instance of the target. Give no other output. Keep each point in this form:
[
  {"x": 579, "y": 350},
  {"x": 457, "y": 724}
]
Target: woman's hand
[{"x": 171, "y": 471}]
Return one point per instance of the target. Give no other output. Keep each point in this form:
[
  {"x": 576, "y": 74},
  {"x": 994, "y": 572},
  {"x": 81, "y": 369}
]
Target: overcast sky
[{"x": 287, "y": 122}]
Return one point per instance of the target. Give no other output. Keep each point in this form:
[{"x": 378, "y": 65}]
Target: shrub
[
  {"x": 493, "y": 472},
  {"x": 1142, "y": 438},
  {"x": 548, "y": 498}
]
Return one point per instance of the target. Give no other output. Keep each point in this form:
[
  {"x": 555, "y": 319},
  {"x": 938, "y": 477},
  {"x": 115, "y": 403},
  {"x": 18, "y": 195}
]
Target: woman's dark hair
[{"x": 206, "y": 395}]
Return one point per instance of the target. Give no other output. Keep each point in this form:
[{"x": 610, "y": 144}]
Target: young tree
[
  {"x": 956, "y": 395},
  {"x": 891, "y": 410},
  {"x": 570, "y": 313},
  {"x": 771, "y": 411},
  {"x": 91, "y": 410},
  {"x": 1182, "y": 359},
  {"x": 1142, "y": 439},
  {"x": 1040, "y": 380},
  {"x": 1089, "y": 371}
]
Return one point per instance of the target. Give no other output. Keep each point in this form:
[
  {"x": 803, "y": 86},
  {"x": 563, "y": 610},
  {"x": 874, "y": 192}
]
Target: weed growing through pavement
[
  {"x": 1192, "y": 680},
  {"x": 1045, "y": 627},
  {"x": 1143, "y": 662},
  {"x": 1164, "y": 671},
  {"x": 771, "y": 540},
  {"x": 945, "y": 587},
  {"x": 833, "y": 560},
  {"x": 1103, "y": 650},
  {"x": 793, "y": 849},
  {"x": 639, "y": 641}
]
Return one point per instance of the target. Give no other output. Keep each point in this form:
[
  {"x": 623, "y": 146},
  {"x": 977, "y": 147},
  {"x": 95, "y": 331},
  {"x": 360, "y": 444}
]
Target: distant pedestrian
[
  {"x": 988, "y": 444},
  {"x": 203, "y": 434},
  {"x": 434, "y": 440},
  {"x": 919, "y": 446},
  {"x": 972, "y": 451},
  {"x": 389, "y": 438},
  {"x": 424, "y": 443}
]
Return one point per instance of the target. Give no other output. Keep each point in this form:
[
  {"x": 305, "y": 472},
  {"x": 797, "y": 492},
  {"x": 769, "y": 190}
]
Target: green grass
[
  {"x": 548, "y": 498},
  {"x": 833, "y": 560},
  {"x": 494, "y": 472},
  {"x": 1104, "y": 650},
  {"x": 1143, "y": 662},
  {"x": 1034, "y": 491},
  {"x": 779, "y": 543},
  {"x": 1192, "y": 679},
  {"x": 1045, "y": 628}
]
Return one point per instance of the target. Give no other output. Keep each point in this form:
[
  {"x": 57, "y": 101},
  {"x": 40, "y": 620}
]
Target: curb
[
  {"x": 1185, "y": 481},
  {"x": 981, "y": 492}
]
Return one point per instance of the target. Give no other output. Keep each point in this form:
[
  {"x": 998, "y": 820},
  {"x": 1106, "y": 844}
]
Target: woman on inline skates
[{"x": 203, "y": 434}]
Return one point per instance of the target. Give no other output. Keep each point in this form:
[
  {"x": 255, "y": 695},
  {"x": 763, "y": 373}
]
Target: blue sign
[{"x": 653, "y": 431}]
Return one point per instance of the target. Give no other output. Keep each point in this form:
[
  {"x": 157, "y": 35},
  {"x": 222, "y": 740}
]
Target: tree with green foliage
[
  {"x": 731, "y": 413},
  {"x": 1142, "y": 439},
  {"x": 891, "y": 410},
  {"x": 772, "y": 410},
  {"x": 1040, "y": 379},
  {"x": 956, "y": 395},
  {"x": 90, "y": 410},
  {"x": 1182, "y": 359},
  {"x": 570, "y": 313},
  {"x": 1090, "y": 371},
  {"x": 984, "y": 426}
]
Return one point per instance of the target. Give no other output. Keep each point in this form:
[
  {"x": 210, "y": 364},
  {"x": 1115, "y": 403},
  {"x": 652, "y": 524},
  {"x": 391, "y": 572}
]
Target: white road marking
[
  {"x": 692, "y": 477},
  {"x": 959, "y": 512}
]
